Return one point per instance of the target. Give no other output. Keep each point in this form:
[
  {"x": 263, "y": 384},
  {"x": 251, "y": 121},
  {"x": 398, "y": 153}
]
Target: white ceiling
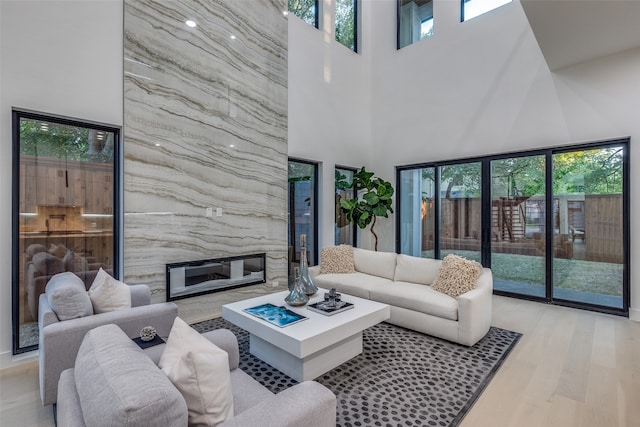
[{"x": 574, "y": 31}]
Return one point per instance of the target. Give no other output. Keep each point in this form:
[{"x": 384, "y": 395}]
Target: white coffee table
[{"x": 307, "y": 349}]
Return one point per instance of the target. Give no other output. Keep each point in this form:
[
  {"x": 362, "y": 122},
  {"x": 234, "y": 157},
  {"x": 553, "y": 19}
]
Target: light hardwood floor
[{"x": 570, "y": 368}]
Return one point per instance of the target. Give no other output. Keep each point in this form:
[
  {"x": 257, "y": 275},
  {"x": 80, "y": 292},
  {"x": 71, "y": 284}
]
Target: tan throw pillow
[
  {"x": 457, "y": 275},
  {"x": 200, "y": 370},
  {"x": 337, "y": 260},
  {"x": 108, "y": 294}
]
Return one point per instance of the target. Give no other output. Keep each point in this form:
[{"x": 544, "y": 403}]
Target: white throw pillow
[
  {"x": 200, "y": 370},
  {"x": 108, "y": 294}
]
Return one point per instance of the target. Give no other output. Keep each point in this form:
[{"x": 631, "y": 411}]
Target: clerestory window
[
  {"x": 472, "y": 8},
  {"x": 307, "y": 10},
  {"x": 415, "y": 21}
]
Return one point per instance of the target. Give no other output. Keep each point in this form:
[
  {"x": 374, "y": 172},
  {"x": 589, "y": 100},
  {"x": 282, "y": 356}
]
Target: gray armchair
[
  {"x": 60, "y": 340},
  {"x": 145, "y": 395}
]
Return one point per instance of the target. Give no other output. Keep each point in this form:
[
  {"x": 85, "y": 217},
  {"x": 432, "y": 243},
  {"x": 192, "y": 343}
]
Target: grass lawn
[{"x": 588, "y": 276}]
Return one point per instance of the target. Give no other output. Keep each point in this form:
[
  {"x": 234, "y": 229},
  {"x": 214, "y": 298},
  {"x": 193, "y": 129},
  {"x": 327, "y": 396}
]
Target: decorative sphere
[{"x": 148, "y": 333}]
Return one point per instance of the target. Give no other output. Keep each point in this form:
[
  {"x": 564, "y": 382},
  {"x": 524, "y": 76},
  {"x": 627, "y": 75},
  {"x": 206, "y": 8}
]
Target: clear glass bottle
[
  {"x": 306, "y": 283},
  {"x": 296, "y": 296}
]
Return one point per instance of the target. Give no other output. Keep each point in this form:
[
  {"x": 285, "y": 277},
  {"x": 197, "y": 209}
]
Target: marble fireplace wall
[{"x": 205, "y": 126}]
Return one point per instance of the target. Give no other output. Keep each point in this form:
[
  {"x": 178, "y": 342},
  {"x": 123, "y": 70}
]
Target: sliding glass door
[
  {"x": 553, "y": 224},
  {"x": 518, "y": 232},
  {"x": 460, "y": 210},
  {"x": 588, "y": 236},
  {"x": 417, "y": 213}
]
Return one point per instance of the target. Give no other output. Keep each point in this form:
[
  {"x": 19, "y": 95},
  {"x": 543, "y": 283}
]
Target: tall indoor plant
[{"x": 375, "y": 196}]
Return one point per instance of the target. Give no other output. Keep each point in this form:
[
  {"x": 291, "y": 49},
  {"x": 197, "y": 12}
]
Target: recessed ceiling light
[
  {"x": 191, "y": 23},
  {"x": 232, "y": 37},
  {"x": 157, "y": 145},
  {"x": 231, "y": 145},
  {"x": 285, "y": 12}
]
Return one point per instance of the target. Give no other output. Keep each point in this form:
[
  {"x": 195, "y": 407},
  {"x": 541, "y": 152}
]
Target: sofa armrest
[
  {"x": 308, "y": 404},
  {"x": 46, "y": 315},
  {"x": 227, "y": 341},
  {"x": 475, "y": 310},
  {"x": 140, "y": 295},
  {"x": 314, "y": 271},
  {"x": 59, "y": 342},
  {"x": 69, "y": 410}
]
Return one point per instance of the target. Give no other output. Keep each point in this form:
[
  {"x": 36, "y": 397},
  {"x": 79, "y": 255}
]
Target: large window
[
  {"x": 307, "y": 10},
  {"x": 588, "y": 232},
  {"x": 472, "y": 8},
  {"x": 347, "y": 23},
  {"x": 345, "y": 231},
  {"x": 303, "y": 216},
  {"x": 415, "y": 21},
  {"x": 65, "y": 209},
  {"x": 460, "y": 209},
  {"x": 553, "y": 225},
  {"x": 518, "y": 227}
]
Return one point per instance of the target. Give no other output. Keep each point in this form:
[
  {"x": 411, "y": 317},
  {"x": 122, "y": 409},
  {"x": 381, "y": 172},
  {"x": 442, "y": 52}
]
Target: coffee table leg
[{"x": 311, "y": 366}]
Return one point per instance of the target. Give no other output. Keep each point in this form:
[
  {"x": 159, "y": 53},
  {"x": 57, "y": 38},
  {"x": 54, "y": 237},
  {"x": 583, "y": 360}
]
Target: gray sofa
[
  {"x": 60, "y": 340},
  {"x": 114, "y": 382},
  {"x": 403, "y": 282}
]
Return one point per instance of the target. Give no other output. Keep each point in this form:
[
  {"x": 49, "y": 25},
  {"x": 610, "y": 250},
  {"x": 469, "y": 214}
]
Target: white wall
[
  {"x": 483, "y": 87},
  {"x": 329, "y": 104},
  {"x": 59, "y": 57}
]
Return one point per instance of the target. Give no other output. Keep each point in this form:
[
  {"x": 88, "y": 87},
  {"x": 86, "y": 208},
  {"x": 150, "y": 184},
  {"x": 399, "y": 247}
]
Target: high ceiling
[{"x": 574, "y": 31}]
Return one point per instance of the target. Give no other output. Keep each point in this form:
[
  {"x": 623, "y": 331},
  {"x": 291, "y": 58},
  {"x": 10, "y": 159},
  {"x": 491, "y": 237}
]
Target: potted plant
[{"x": 375, "y": 196}]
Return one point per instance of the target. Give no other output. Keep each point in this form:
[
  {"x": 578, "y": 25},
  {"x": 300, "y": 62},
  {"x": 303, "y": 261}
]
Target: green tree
[
  {"x": 345, "y": 23},
  {"x": 590, "y": 171},
  {"x": 55, "y": 140},
  {"x": 304, "y": 9}
]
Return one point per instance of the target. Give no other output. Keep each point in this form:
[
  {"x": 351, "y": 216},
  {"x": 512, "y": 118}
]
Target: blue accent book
[{"x": 279, "y": 316}]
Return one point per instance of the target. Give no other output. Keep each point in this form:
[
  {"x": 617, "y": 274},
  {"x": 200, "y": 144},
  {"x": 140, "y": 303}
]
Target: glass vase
[
  {"x": 307, "y": 285},
  {"x": 296, "y": 296}
]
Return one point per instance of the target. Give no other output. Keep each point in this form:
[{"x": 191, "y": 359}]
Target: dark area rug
[{"x": 402, "y": 378}]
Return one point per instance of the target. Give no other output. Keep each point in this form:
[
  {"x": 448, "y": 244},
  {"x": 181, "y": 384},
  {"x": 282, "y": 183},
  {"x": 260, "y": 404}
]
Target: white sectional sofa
[{"x": 403, "y": 282}]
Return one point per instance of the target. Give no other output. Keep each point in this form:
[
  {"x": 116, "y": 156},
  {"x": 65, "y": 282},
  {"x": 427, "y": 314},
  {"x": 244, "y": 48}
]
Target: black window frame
[
  {"x": 354, "y": 238},
  {"x": 356, "y": 27},
  {"x": 398, "y": 9},
  {"x": 486, "y": 216},
  {"x": 316, "y": 23},
  {"x": 20, "y": 113},
  {"x": 315, "y": 256}
]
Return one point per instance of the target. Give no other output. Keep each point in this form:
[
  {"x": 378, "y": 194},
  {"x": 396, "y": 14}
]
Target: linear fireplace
[{"x": 191, "y": 278}]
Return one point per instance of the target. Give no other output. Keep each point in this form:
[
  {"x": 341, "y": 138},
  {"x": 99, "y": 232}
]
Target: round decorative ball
[{"x": 148, "y": 333}]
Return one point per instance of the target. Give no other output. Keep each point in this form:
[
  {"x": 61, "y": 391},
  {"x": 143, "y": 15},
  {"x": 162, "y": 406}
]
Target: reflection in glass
[
  {"x": 302, "y": 211},
  {"x": 345, "y": 231},
  {"x": 415, "y": 20},
  {"x": 417, "y": 212},
  {"x": 588, "y": 250},
  {"x": 65, "y": 203},
  {"x": 518, "y": 225},
  {"x": 460, "y": 210}
]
